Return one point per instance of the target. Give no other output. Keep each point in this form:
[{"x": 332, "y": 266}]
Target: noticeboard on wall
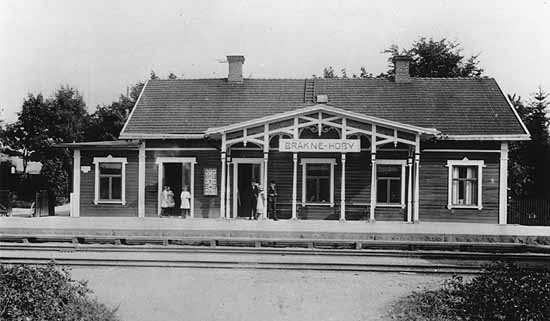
[{"x": 210, "y": 182}]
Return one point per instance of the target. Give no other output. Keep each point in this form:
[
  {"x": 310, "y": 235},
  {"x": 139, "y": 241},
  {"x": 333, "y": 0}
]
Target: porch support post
[
  {"x": 141, "y": 180},
  {"x": 75, "y": 201},
  {"x": 222, "y": 185},
  {"x": 416, "y": 213},
  {"x": 373, "y": 174},
  {"x": 409, "y": 190},
  {"x": 266, "y": 155},
  {"x": 228, "y": 189},
  {"x": 503, "y": 185},
  {"x": 343, "y": 190},
  {"x": 294, "y": 185},
  {"x": 192, "y": 182}
]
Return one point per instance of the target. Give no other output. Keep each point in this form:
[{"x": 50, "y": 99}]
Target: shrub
[
  {"x": 47, "y": 293},
  {"x": 503, "y": 292},
  {"x": 507, "y": 292}
]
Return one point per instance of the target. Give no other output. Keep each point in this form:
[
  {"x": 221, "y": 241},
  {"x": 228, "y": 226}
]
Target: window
[
  {"x": 317, "y": 181},
  {"x": 390, "y": 187},
  {"x": 110, "y": 180},
  {"x": 464, "y": 184}
]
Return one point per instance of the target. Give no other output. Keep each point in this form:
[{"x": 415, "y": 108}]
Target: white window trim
[
  {"x": 465, "y": 162},
  {"x": 160, "y": 161},
  {"x": 403, "y": 163},
  {"x": 304, "y": 162},
  {"x": 110, "y": 159}
]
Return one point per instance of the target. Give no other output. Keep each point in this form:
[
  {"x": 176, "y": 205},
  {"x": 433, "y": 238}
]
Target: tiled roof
[{"x": 454, "y": 106}]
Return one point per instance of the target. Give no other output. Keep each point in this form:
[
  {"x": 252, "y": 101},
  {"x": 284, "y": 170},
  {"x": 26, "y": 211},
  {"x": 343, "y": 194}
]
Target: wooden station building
[{"x": 406, "y": 149}]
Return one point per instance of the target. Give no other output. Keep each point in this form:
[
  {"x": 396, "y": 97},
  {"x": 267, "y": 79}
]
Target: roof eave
[
  {"x": 517, "y": 137},
  {"x": 161, "y": 136}
]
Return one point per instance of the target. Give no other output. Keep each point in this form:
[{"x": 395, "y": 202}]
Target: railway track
[{"x": 174, "y": 256}]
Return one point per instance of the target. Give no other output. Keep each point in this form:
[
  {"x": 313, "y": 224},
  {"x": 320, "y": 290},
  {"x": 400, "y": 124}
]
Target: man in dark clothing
[
  {"x": 254, "y": 200},
  {"x": 272, "y": 201}
]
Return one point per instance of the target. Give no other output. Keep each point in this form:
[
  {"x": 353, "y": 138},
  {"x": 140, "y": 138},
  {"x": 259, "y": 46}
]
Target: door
[
  {"x": 247, "y": 173},
  {"x": 176, "y": 175}
]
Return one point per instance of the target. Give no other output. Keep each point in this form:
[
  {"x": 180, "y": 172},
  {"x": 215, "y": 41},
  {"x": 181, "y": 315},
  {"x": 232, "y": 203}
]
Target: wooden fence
[{"x": 529, "y": 212}]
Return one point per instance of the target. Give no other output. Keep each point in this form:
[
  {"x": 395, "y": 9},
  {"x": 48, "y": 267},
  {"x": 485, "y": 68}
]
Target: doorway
[
  {"x": 176, "y": 172},
  {"x": 245, "y": 171}
]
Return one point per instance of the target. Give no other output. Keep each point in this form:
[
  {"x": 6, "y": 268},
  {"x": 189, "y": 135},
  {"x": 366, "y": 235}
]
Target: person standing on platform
[
  {"x": 253, "y": 200},
  {"x": 164, "y": 201},
  {"x": 260, "y": 204},
  {"x": 185, "y": 197},
  {"x": 170, "y": 201},
  {"x": 272, "y": 201}
]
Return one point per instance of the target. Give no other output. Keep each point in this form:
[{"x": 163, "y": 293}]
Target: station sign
[{"x": 320, "y": 145}]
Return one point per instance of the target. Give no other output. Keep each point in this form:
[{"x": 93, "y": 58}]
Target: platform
[{"x": 177, "y": 228}]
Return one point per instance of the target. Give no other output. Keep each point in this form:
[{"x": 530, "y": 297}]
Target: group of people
[
  {"x": 255, "y": 196},
  {"x": 168, "y": 204},
  {"x": 257, "y": 199}
]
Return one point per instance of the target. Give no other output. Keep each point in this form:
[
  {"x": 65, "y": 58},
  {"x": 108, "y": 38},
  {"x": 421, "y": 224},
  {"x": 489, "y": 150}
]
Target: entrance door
[
  {"x": 173, "y": 178},
  {"x": 176, "y": 172},
  {"x": 246, "y": 175}
]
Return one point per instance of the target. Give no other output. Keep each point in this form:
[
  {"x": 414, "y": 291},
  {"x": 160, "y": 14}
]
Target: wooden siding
[
  {"x": 87, "y": 185},
  {"x": 433, "y": 183},
  {"x": 434, "y": 189}
]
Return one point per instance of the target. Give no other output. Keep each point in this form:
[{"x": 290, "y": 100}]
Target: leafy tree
[
  {"x": 528, "y": 159},
  {"x": 432, "y": 58},
  {"x": 172, "y": 76},
  {"x": 344, "y": 73},
  {"x": 364, "y": 73},
  {"x": 107, "y": 121},
  {"x": 45, "y": 122},
  {"x": 329, "y": 73},
  {"x": 153, "y": 75}
]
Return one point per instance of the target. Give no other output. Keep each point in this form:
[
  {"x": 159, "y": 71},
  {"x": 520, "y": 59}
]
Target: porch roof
[{"x": 457, "y": 107}]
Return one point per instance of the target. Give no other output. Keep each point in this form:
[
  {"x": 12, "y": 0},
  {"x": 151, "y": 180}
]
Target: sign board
[
  {"x": 210, "y": 182},
  {"x": 320, "y": 145},
  {"x": 85, "y": 169}
]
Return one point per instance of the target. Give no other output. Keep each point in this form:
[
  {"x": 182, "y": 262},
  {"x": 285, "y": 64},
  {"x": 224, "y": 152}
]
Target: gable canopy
[
  {"x": 459, "y": 108},
  {"x": 258, "y": 131}
]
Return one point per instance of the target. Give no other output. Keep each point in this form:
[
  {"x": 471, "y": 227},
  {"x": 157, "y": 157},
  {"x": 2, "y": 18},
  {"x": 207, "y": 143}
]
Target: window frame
[
  {"x": 304, "y": 162},
  {"x": 395, "y": 162},
  {"x": 109, "y": 159},
  {"x": 471, "y": 163}
]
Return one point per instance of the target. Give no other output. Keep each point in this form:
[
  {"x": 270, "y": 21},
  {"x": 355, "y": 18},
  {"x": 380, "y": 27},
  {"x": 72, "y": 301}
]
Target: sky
[{"x": 100, "y": 47}]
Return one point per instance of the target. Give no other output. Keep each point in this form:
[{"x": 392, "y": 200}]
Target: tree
[
  {"x": 329, "y": 73},
  {"x": 43, "y": 123},
  {"x": 431, "y": 58},
  {"x": 153, "y": 75},
  {"x": 529, "y": 159},
  {"x": 107, "y": 121},
  {"x": 172, "y": 76}
]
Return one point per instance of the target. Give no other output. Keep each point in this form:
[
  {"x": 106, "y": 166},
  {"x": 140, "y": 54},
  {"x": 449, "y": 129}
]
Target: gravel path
[{"x": 147, "y": 294}]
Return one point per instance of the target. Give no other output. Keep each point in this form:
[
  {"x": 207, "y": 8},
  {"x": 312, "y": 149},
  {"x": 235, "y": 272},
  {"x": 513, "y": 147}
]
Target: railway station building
[{"x": 403, "y": 149}]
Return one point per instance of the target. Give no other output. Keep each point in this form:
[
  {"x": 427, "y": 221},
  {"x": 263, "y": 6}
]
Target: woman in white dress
[
  {"x": 185, "y": 197},
  {"x": 260, "y": 205}
]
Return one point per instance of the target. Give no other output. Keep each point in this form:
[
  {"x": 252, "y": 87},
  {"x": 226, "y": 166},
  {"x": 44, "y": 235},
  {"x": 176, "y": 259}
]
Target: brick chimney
[
  {"x": 235, "y": 68},
  {"x": 402, "y": 74}
]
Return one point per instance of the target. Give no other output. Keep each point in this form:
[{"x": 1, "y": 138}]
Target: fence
[{"x": 529, "y": 212}]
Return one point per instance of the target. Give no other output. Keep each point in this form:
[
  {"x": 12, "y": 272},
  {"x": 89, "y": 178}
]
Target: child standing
[
  {"x": 185, "y": 197},
  {"x": 164, "y": 201},
  {"x": 260, "y": 204}
]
